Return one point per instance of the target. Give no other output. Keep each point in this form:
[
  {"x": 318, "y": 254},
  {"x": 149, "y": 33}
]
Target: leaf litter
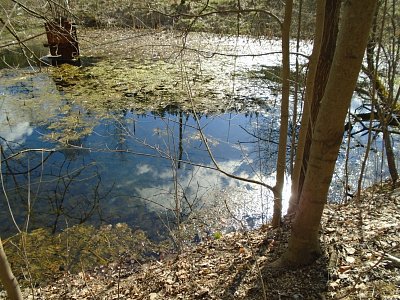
[{"x": 361, "y": 248}]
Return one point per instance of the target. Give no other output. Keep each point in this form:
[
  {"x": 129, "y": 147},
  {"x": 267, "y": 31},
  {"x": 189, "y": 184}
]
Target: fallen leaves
[
  {"x": 361, "y": 243},
  {"x": 363, "y": 235}
]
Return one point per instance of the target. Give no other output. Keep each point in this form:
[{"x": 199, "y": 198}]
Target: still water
[
  {"x": 140, "y": 168},
  {"x": 131, "y": 168}
]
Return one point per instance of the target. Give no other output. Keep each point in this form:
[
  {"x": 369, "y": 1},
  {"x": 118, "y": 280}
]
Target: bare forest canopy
[{"x": 259, "y": 18}]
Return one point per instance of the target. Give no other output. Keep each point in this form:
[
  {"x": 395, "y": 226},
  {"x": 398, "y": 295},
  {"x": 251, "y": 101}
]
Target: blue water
[
  {"x": 124, "y": 171},
  {"x": 132, "y": 167}
]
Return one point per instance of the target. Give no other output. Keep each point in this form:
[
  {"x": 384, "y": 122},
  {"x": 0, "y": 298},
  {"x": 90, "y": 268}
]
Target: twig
[{"x": 13, "y": 43}]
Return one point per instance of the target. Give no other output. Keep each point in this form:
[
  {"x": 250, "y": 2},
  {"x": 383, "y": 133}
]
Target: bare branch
[{"x": 223, "y": 12}]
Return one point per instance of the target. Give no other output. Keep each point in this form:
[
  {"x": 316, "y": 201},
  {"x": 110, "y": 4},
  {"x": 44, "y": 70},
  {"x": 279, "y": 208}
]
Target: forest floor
[{"x": 360, "y": 242}]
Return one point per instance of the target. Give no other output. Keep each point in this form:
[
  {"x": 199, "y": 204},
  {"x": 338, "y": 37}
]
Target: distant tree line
[{"x": 219, "y": 16}]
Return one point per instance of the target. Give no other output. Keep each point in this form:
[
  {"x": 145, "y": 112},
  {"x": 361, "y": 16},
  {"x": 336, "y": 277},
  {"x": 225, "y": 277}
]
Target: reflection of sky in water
[
  {"x": 238, "y": 65},
  {"x": 121, "y": 168},
  {"x": 117, "y": 173},
  {"x": 25, "y": 97},
  {"x": 151, "y": 177},
  {"x": 14, "y": 133}
]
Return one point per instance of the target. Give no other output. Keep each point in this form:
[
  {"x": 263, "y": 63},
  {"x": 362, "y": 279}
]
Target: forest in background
[{"x": 217, "y": 16}]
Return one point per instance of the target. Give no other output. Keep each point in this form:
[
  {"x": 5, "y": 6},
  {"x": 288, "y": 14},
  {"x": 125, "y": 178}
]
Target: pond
[
  {"x": 126, "y": 169},
  {"x": 119, "y": 140}
]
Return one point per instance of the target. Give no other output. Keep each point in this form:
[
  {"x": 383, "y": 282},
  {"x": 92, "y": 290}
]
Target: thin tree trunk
[
  {"x": 296, "y": 90},
  {"x": 328, "y": 45},
  {"x": 356, "y": 21},
  {"x": 283, "y": 131},
  {"x": 391, "y": 161},
  {"x": 8, "y": 279},
  {"x": 312, "y": 68},
  {"x": 327, "y": 50},
  {"x": 386, "y": 96}
]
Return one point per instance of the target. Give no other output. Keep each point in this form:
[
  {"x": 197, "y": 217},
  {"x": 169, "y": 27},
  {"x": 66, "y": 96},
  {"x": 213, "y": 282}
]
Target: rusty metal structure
[{"x": 62, "y": 38}]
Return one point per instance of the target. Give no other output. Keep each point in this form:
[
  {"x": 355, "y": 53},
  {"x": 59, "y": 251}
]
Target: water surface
[{"x": 94, "y": 161}]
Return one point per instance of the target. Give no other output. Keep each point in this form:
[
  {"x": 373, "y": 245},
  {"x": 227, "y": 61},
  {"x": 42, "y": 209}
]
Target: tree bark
[
  {"x": 326, "y": 52},
  {"x": 328, "y": 45},
  {"x": 312, "y": 68},
  {"x": 356, "y": 22},
  {"x": 391, "y": 158}
]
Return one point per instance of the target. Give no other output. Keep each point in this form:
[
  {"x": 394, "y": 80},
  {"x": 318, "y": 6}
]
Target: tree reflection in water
[{"x": 45, "y": 188}]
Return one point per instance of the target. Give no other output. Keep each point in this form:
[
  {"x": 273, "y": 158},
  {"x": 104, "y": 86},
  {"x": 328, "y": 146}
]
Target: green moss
[
  {"x": 217, "y": 235},
  {"x": 129, "y": 84},
  {"x": 45, "y": 256}
]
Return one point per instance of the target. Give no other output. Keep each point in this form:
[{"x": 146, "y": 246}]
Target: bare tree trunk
[
  {"x": 312, "y": 68},
  {"x": 326, "y": 52},
  {"x": 8, "y": 279},
  {"x": 356, "y": 22},
  {"x": 283, "y": 131},
  {"x": 391, "y": 161},
  {"x": 328, "y": 45},
  {"x": 296, "y": 90},
  {"x": 387, "y": 102}
]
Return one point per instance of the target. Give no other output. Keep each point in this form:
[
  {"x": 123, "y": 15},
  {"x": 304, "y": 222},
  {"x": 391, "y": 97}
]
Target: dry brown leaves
[{"x": 361, "y": 242}]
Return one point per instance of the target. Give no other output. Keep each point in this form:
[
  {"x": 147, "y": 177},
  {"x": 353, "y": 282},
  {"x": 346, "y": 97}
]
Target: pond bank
[{"x": 354, "y": 265}]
